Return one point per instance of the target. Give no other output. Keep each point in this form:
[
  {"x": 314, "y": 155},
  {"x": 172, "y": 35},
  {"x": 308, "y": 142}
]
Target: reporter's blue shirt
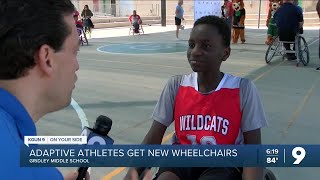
[{"x": 15, "y": 123}]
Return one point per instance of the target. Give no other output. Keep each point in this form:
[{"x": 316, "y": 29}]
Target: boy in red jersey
[
  {"x": 208, "y": 106},
  {"x": 78, "y": 22}
]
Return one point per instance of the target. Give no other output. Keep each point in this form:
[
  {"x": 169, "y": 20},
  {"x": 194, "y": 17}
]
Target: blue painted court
[{"x": 144, "y": 48}]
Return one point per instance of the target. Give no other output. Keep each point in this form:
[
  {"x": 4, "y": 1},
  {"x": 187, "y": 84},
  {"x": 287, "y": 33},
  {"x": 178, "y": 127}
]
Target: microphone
[{"x": 98, "y": 135}]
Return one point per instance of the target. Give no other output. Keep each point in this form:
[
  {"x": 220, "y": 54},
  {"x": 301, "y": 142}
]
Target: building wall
[{"x": 153, "y": 7}]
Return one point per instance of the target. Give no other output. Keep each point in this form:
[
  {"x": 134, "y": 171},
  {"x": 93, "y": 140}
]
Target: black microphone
[{"x": 97, "y": 135}]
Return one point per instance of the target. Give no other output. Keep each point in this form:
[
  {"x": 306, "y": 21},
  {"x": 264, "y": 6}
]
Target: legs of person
[
  {"x": 229, "y": 23},
  {"x": 178, "y": 24},
  {"x": 242, "y": 35},
  {"x": 136, "y": 27},
  {"x": 288, "y": 36},
  {"x": 221, "y": 173},
  {"x": 177, "y": 31},
  {"x": 235, "y": 35}
]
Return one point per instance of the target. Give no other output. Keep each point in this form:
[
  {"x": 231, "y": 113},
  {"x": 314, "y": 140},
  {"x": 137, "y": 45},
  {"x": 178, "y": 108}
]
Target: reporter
[{"x": 38, "y": 49}]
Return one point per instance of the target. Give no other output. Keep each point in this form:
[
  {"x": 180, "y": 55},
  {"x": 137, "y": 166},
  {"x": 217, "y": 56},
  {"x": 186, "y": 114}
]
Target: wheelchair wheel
[
  {"x": 268, "y": 175},
  {"x": 303, "y": 50},
  {"x": 272, "y": 50}
]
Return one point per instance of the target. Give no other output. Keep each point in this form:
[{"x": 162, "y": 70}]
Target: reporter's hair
[
  {"x": 25, "y": 26},
  {"x": 220, "y": 24}
]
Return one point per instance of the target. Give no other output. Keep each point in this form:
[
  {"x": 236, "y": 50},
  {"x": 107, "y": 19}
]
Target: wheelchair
[
  {"x": 301, "y": 51},
  {"x": 82, "y": 36},
  {"x": 133, "y": 32}
]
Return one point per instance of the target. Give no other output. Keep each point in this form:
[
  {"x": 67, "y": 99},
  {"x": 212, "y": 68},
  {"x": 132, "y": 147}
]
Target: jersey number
[{"x": 205, "y": 140}]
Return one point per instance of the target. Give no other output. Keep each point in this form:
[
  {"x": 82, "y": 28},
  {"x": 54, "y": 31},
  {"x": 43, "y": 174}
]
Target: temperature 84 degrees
[
  {"x": 299, "y": 153},
  {"x": 272, "y": 160}
]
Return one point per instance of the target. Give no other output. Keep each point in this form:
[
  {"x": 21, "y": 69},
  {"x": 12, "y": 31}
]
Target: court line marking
[
  {"x": 301, "y": 106},
  {"x": 317, "y": 39},
  {"x": 106, "y": 52},
  {"x": 83, "y": 118}
]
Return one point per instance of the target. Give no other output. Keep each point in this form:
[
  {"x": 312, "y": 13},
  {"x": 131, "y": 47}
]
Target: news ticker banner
[
  {"x": 170, "y": 156},
  {"x": 208, "y": 7}
]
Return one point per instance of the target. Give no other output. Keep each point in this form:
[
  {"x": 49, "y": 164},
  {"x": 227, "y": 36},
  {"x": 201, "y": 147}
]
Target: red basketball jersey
[{"x": 212, "y": 118}]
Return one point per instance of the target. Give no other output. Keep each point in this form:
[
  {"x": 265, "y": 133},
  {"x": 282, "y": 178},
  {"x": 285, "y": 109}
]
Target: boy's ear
[{"x": 226, "y": 53}]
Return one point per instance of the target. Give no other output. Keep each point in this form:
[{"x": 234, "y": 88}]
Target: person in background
[
  {"x": 228, "y": 12},
  {"x": 289, "y": 20},
  {"x": 179, "y": 17},
  {"x": 78, "y": 22},
  {"x": 135, "y": 21},
  {"x": 86, "y": 15},
  {"x": 38, "y": 64}
]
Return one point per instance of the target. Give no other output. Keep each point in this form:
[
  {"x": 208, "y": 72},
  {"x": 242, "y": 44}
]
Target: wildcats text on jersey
[{"x": 204, "y": 122}]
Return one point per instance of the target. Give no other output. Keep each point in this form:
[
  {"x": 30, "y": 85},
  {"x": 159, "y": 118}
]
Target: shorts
[
  {"x": 203, "y": 173},
  {"x": 177, "y": 21}
]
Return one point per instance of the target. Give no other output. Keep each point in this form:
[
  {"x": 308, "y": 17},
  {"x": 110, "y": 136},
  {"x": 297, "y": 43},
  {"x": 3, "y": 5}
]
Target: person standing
[
  {"x": 228, "y": 13},
  {"x": 179, "y": 17},
  {"x": 86, "y": 14}
]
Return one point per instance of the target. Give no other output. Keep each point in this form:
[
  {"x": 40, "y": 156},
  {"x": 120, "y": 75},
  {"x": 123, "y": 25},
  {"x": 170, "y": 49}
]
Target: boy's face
[{"x": 206, "y": 51}]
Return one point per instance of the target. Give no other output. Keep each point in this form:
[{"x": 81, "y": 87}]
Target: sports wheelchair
[
  {"x": 133, "y": 32},
  {"x": 301, "y": 51},
  {"x": 82, "y": 36}
]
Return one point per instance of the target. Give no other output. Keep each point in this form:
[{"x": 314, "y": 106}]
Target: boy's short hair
[{"x": 218, "y": 23}]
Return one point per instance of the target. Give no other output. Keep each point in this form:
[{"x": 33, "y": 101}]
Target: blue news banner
[{"x": 170, "y": 156}]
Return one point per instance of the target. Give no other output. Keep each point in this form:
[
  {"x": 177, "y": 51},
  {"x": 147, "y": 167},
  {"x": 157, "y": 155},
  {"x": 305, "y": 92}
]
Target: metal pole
[
  {"x": 163, "y": 13},
  {"x": 259, "y": 14}
]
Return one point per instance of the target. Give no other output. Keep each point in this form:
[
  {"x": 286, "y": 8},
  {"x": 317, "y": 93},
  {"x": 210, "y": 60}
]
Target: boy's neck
[{"x": 208, "y": 82}]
